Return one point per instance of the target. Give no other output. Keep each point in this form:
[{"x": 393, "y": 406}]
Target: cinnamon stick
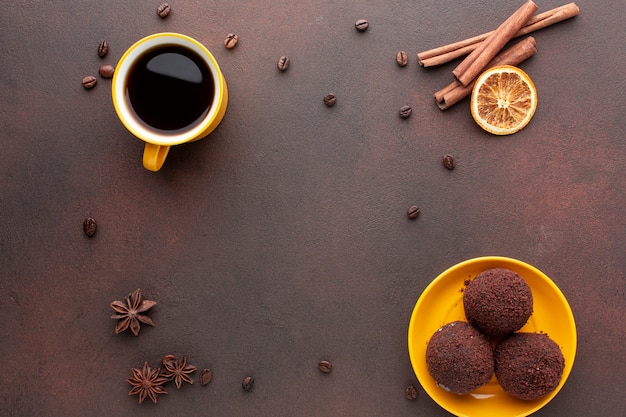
[
  {"x": 447, "y": 53},
  {"x": 476, "y": 61},
  {"x": 453, "y": 93}
]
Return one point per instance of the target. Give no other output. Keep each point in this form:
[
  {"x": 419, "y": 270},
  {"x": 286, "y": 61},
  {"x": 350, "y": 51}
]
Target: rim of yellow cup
[{"x": 126, "y": 114}]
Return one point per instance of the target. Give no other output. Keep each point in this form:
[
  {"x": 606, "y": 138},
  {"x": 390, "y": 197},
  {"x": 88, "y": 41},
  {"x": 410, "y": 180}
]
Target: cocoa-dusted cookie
[
  {"x": 528, "y": 365},
  {"x": 498, "y": 302},
  {"x": 459, "y": 358}
]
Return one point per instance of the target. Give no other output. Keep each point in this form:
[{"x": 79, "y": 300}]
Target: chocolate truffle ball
[
  {"x": 498, "y": 302},
  {"x": 528, "y": 365},
  {"x": 459, "y": 358}
]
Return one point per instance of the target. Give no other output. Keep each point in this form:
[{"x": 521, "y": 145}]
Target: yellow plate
[{"x": 442, "y": 302}]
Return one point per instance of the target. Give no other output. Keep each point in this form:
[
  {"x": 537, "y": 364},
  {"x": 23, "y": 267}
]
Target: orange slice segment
[{"x": 504, "y": 99}]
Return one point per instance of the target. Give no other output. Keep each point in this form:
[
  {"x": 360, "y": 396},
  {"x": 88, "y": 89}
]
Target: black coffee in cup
[{"x": 170, "y": 89}]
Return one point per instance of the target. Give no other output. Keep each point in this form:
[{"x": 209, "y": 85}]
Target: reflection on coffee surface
[{"x": 170, "y": 89}]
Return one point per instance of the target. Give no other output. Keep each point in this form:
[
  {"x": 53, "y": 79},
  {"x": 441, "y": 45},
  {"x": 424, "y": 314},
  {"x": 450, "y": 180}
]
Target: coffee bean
[
  {"x": 405, "y": 111},
  {"x": 231, "y": 40},
  {"x": 448, "y": 162},
  {"x": 402, "y": 58},
  {"x": 206, "y": 376},
  {"x": 89, "y": 226},
  {"x": 103, "y": 49},
  {"x": 89, "y": 81},
  {"x": 248, "y": 383},
  {"x": 362, "y": 24},
  {"x": 106, "y": 71},
  {"x": 413, "y": 212},
  {"x": 330, "y": 99},
  {"x": 410, "y": 392},
  {"x": 283, "y": 63},
  {"x": 325, "y": 366},
  {"x": 163, "y": 10}
]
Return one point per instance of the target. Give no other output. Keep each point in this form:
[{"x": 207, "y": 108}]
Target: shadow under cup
[{"x": 168, "y": 89}]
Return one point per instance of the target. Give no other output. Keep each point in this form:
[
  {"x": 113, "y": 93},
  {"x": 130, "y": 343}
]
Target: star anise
[
  {"x": 177, "y": 370},
  {"x": 147, "y": 382},
  {"x": 130, "y": 312}
]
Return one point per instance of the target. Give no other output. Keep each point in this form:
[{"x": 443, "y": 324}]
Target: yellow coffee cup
[{"x": 167, "y": 90}]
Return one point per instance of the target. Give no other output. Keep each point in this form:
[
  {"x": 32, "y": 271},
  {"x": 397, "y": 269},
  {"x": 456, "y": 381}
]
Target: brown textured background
[{"x": 283, "y": 239}]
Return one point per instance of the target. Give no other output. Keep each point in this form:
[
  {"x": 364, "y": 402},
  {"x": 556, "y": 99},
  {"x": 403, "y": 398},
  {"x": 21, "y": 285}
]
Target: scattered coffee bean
[
  {"x": 325, "y": 366},
  {"x": 248, "y": 383},
  {"x": 231, "y": 40},
  {"x": 106, "y": 71},
  {"x": 330, "y": 99},
  {"x": 103, "y": 49},
  {"x": 448, "y": 162},
  {"x": 89, "y": 226},
  {"x": 410, "y": 392},
  {"x": 206, "y": 376},
  {"x": 283, "y": 63},
  {"x": 405, "y": 111},
  {"x": 163, "y": 10},
  {"x": 402, "y": 58},
  {"x": 362, "y": 24},
  {"x": 413, "y": 212},
  {"x": 89, "y": 81}
]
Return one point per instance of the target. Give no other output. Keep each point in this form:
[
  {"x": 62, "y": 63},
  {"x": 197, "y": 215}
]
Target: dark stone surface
[{"x": 282, "y": 239}]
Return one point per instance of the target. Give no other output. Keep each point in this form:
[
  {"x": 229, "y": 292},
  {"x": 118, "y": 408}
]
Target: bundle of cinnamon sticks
[{"x": 485, "y": 50}]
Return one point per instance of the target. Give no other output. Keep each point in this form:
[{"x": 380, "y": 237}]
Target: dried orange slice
[{"x": 504, "y": 99}]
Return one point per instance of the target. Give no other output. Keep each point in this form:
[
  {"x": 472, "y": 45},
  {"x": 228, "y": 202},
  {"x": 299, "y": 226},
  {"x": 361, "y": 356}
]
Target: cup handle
[{"x": 154, "y": 156}]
